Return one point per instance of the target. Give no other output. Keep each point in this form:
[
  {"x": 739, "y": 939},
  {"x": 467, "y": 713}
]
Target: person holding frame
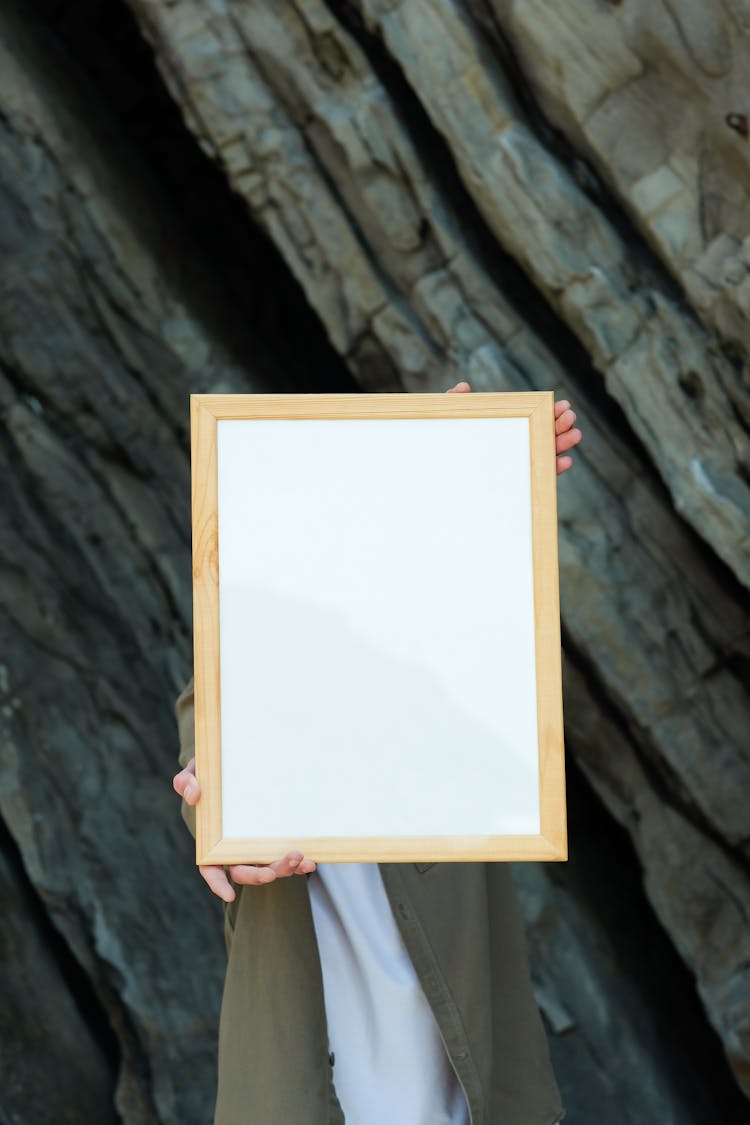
[{"x": 375, "y": 994}]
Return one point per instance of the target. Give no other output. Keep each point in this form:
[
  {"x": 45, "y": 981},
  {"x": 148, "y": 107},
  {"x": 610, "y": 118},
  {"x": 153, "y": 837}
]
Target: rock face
[{"x": 386, "y": 196}]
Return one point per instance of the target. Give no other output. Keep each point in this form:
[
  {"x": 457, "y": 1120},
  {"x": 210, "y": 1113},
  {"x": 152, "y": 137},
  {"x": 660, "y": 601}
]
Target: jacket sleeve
[{"x": 184, "y": 710}]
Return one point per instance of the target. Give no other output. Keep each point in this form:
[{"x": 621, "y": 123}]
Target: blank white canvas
[{"x": 376, "y": 614}]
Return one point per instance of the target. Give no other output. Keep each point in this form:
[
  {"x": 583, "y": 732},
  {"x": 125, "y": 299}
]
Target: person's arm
[
  {"x": 184, "y": 710},
  {"x": 186, "y": 784}
]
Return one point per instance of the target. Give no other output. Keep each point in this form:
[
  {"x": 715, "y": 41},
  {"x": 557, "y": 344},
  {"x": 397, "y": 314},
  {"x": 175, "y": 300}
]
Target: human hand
[
  {"x": 293, "y": 863},
  {"x": 565, "y": 436}
]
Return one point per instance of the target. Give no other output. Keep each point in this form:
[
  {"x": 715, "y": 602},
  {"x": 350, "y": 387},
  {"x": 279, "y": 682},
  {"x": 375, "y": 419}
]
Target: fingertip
[{"x": 192, "y": 793}]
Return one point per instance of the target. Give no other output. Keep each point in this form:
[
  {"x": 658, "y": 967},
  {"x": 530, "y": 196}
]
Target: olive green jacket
[{"x": 462, "y": 926}]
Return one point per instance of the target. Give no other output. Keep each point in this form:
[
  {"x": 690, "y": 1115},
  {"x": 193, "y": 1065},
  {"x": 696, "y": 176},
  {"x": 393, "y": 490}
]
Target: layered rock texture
[{"x": 375, "y": 195}]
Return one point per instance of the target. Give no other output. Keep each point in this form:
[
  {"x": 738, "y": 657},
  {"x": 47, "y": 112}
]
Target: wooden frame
[{"x": 207, "y": 412}]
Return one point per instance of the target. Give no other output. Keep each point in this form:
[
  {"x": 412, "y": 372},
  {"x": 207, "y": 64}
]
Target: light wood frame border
[{"x": 538, "y": 406}]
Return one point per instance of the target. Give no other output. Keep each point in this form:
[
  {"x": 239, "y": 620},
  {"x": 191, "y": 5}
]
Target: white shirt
[{"x": 390, "y": 1063}]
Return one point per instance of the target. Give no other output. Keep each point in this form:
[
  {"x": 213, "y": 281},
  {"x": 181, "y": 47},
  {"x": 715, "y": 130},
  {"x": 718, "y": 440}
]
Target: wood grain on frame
[
  {"x": 547, "y": 628},
  {"x": 538, "y": 407}
]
